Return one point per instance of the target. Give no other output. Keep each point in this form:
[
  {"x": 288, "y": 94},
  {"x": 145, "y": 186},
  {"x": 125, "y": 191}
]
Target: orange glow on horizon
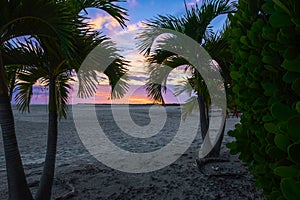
[{"x": 140, "y": 100}]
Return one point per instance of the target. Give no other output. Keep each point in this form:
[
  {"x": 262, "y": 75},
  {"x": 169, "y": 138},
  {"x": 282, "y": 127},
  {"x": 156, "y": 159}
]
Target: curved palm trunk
[
  {"x": 45, "y": 186},
  {"x": 204, "y": 123},
  {"x": 17, "y": 184},
  {"x": 215, "y": 152}
]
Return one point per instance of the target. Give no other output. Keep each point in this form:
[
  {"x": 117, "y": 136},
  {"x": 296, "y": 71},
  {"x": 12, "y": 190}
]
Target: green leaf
[
  {"x": 282, "y": 112},
  {"x": 273, "y": 150},
  {"x": 281, "y": 38},
  {"x": 275, "y": 46},
  {"x": 271, "y": 68},
  {"x": 233, "y": 148},
  {"x": 287, "y": 171},
  {"x": 280, "y": 198},
  {"x": 268, "y": 7},
  {"x": 292, "y": 65},
  {"x": 269, "y": 88},
  {"x": 291, "y": 53},
  {"x": 290, "y": 77},
  {"x": 298, "y": 106},
  {"x": 275, "y": 194},
  {"x": 282, "y": 6},
  {"x": 296, "y": 86},
  {"x": 294, "y": 128},
  {"x": 293, "y": 152},
  {"x": 235, "y": 75},
  {"x": 243, "y": 40},
  {"x": 269, "y": 33},
  {"x": 270, "y": 127},
  {"x": 296, "y": 21},
  {"x": 270, "y": 60},
  {"x": 290, "y": 188},
  {"x": 267, "y": 118},
  {"x": 279, "y": 20},
  {"x": 282, "y": 142}
]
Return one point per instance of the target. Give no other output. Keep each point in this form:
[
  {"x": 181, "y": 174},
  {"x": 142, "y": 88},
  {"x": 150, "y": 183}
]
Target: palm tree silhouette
[
  {"x": 195, "y": 23},
  {"x": 52, "y": 24},
  {"x": 21, "y": 18}
]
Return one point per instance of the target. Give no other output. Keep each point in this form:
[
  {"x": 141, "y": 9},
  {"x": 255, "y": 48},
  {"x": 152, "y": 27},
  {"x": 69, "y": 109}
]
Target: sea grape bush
[{"x": 265, "y": 42}]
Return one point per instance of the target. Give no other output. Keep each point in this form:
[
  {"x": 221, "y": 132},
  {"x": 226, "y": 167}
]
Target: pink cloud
[
  {"x": 104, "y": 21},
  {"x": 193, "y": 3},
  {"x": 132, "y": 3}
]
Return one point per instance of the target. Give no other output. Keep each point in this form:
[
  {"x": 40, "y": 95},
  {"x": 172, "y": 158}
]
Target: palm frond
[
  {"x": 63, "y": 89},
  {"x": 189, "y": 106},
  {"x": 157, "y": 82},
  {"x": 195, "y": 23},
  {"x": 24, "y": 87},
  {"x": 185, "y": 87},
  {"x": 101, "y": 56},
  {"x": 154, "y": 91},
  {"x": 42, "y": 18},
  {"x": 109, "y": 6},
  {"x": 23, "y": 72},
  {"x": 116, "y": 73},
  {"x": 154, "y": 28}
]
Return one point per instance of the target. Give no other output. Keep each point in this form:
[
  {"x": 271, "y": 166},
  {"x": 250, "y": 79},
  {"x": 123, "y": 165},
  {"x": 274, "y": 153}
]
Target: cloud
[
  {"x": 102, "y": 21},
  {"x": 192, "y": 3},
  {"x": 137, "y": 78},
  {"x": 132, "y": 3}
]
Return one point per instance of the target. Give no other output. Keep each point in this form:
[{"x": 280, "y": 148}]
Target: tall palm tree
[
  {"x": 195, "y": 23},
  {"x": 53, "y": 69},
  {"x": 21, "y": 18},
  {"x": 44, "y": 19},
  {"x": 50, "y": 63}
]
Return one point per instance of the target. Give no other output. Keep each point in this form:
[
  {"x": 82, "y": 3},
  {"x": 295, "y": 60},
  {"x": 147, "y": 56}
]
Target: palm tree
[
  {"x": 53, "y": 69},
  {"x": 43, "y": 19},
  {"x": 195, "y": 24},
  {"x": 21, "y": 18},
  {"x": 49, "y": 63}
]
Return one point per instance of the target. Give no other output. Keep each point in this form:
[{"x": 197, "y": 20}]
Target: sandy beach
[{"x": 77, "y": 169}]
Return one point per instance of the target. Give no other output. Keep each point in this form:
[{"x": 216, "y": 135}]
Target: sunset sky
[{"x": 138, "y": 11}]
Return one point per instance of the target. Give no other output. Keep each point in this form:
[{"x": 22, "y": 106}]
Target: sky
[{"x": 138, "y": 11}]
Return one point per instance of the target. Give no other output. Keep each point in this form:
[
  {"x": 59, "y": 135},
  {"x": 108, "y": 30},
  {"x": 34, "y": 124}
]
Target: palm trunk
[
  {"x": 203, "y": 117},
  {"x": 17, "y": 184},
  {"x": 45, "y": 186},
  {"x": 204, "y": 123},
  {"x": 215, "y": 152}
]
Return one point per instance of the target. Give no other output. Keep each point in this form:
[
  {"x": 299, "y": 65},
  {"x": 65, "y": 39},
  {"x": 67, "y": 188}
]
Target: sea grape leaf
[
  {"x": 287, "y": 171},
  {"x": 282, "y": 142},
  {"x": 290, "y": 188},
  {"x": 282, "y": 6},
  {"x": 269, "y": 88},
  {"x": 282, "y": 112},
  {"x": 235, "y": 75},
  {"x": 290, "y": 77},
  {"x": 292, "y": 65},
  {"x": 279, "y": 20},
  {"x": 296, "y": 86},
  {"x": 296, "y": 21},
  {"x": 267, "y": 118},
  {"x": 291, "y": 53},
  {"x": 293, "y": 152},
  {"x": 270, "y": 127},
  {"x": 269, "y": 33},
  {"x": 298, "y": 106},
  {"x": 294, "y": 127}
]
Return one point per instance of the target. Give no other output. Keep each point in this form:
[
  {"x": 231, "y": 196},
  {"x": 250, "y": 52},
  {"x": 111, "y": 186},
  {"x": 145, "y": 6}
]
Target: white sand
[{"x": 94, "y": 180}]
